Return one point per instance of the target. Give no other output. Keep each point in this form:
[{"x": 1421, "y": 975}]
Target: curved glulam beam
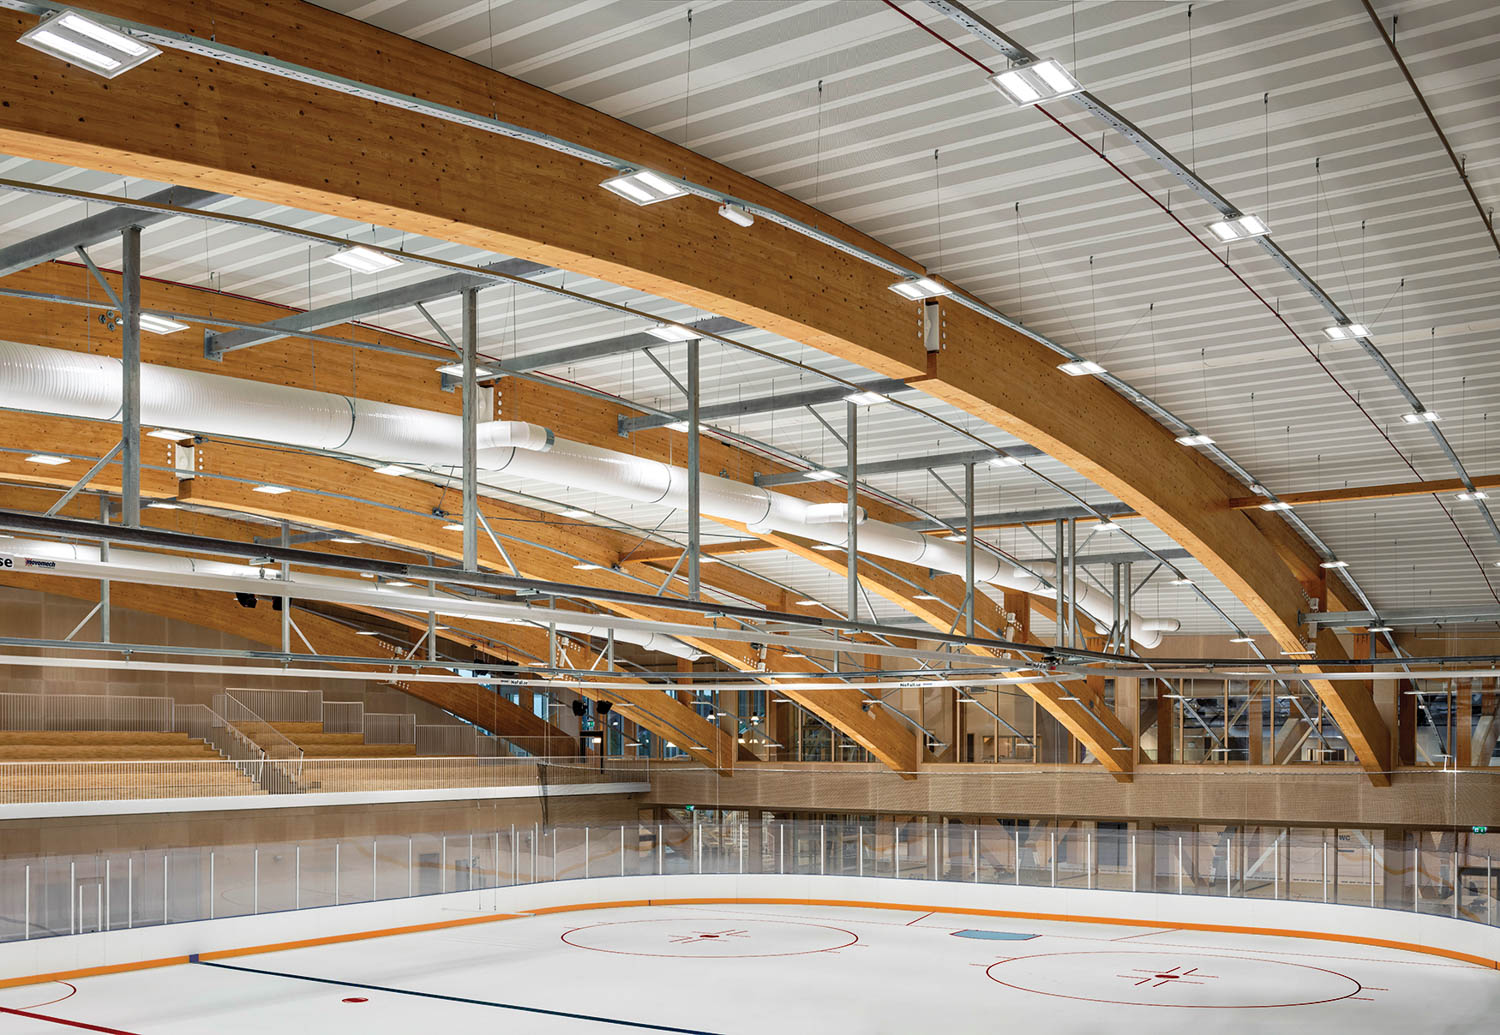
[
  {"x": 1087, "y": 718},
  {"x": 197, "y": 122}
]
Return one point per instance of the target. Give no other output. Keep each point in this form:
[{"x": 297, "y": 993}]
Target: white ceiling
[{"x": 1341, "y": 162}]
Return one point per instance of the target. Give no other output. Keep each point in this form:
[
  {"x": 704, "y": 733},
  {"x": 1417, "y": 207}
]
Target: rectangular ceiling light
[
  {"x": 453, "y": 527},
  {"x": 1035, "y": 83},
  {"x": 1421, "y": 417},
  {"x": 88, "y": 44},
  {"x": 677, "y": 425},
  {"x": 1239, "y": 228},
  {"x": 821, "y": 476},
  {"x": 1079, "y": 367},
  {"x": 392, "y": 469},
  {"x": 1333, "y": 564},
  {"x": 1194, "y": 440},
  {"x": 1107, "y": 525},
  {"x": 806, "y": 603},
  {"x": 1477, "y": 494},
  {"x": 161, "y": 325},
  {"x": 865, "y": 398},
  {"x": 574, "y": 512},
  {"x": 360, "y": 259},
  {"x": 587, "y": 566},
  {"x": 1243, "y": 639},
  {"x": 169, "y": 434},
  {"x": 1346, "y": 331},
  {"x": 457, "y": 370},
  {"x": 827, "y": 547},
  {"x": 673, "y": 332},
  {"x": 918, "y": 288},
  {"x": 349, "y": 540},
  {"x": 45, "y": 460},
  {"x": 162, "y": 505},
  {"x": 1182, "y": 580},
  {"x": 737, "y": 214},
  {"x": 643, "y": 187},
  {"x": 271, "y": 490},
  {"x": 1005, "y": 461},
  {"x": 926, "y": 596},
  {"x": 1276, "y": 505},
  {"x": 1378, "y": 629}
]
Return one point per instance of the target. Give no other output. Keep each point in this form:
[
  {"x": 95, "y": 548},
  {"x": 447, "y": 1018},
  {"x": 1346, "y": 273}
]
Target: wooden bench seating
[
  {"x": 71, "y": 737},
  {"x": 107, "y": 752}
]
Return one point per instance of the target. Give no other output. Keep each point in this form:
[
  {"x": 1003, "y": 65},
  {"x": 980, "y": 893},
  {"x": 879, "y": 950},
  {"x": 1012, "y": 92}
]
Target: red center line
[
  {"x": 70, "y": 1024},
  {"x": 1143, "y": 934}
]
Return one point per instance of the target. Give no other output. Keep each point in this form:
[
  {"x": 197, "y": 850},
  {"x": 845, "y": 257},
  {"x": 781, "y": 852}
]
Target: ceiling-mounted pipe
[{"x": 84, "y": 385}]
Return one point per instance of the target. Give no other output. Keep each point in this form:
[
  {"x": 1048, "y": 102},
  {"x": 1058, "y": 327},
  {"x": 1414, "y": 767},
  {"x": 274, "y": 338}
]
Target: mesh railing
[
  {"x": 279, "y": 705},
  {"x": 91, "y": 712},
  {"x": 444, "y": 739},
  {"x": 390, "y": 728},
  {"x": 343, "y": 717},
  {"x": 281, "y": 760}
]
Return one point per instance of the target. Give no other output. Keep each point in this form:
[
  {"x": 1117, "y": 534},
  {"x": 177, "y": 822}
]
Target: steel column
[
  {"x": 1059, "y": 566},
  {"x": 969, "y": 550},
  {"x": 851, "y": 543},
  {"x": 695, "y": 539},
  {"x": 104, "y": 583},
  {"x": 286, "y": 601},
  {"x": 130, "y": 387},
  {"x": 1072, "y": 582},
  {"x": 470, "y": 416}
]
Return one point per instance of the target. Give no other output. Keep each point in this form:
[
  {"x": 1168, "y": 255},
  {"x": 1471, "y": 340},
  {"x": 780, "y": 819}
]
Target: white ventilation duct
[
  {"x": 46, "y": 557},
  {"x": 82, "y": 385}
]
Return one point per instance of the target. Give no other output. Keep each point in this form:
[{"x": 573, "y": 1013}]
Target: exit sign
[{"x": 1481, "y": 830}]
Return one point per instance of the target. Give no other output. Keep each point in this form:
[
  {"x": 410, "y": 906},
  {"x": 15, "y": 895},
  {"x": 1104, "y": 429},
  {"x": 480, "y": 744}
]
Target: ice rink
[{"x": 755, "y": 968}]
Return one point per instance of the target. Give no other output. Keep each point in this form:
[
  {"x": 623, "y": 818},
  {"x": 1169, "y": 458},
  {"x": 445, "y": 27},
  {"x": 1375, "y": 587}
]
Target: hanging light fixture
[
  {"x": 643, "y": 187},
  {"x": 1035, "y": 83},
  {"x": 81, "y": 41}
]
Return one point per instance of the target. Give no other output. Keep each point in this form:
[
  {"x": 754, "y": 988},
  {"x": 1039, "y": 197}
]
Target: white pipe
[
  {"x": 581, "y": 466},
  {"x": 35, "y": 555},
  {"x": 83, "y": 385}
]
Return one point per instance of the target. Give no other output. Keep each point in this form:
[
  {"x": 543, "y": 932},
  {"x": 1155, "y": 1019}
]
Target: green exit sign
[{"x": 1481, "y": 830}]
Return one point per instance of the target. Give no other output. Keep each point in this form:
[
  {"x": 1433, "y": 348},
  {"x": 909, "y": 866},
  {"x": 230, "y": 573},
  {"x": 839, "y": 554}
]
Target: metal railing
[
  {"x": 444, "y": 739},
  {"x": 278, "y": 705},
  {"x": 281, "y": 760},
  {"x": 1426, "y": 872},
  {"x": 90, "y": 712},
  {"x": 390, "y": 728},
  {"x": 343, "y": 717}
]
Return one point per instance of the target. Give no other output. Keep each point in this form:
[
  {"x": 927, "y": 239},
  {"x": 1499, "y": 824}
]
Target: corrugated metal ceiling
[{"x": 1294, "y": 110}]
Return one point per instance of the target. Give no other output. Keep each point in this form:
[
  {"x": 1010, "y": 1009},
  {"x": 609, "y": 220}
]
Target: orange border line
[{"x": 333, "y": 939}]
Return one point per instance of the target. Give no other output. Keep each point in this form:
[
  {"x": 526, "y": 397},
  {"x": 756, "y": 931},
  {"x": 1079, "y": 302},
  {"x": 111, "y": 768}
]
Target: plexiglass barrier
[{"x": 1436, "y": 872}]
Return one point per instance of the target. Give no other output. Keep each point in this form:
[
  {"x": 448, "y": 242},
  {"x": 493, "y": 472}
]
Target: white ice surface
[{"x": 785, "y": 968}]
